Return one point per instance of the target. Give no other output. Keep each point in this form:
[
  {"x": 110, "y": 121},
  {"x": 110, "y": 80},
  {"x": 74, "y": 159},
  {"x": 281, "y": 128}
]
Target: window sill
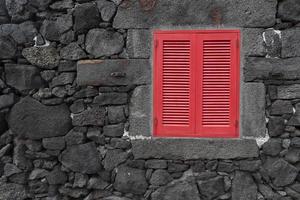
[{"x": 191, "y": 149}]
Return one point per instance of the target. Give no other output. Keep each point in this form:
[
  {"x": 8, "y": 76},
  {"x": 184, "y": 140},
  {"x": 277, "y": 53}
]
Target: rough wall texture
[{"x": 62, "y": 127}]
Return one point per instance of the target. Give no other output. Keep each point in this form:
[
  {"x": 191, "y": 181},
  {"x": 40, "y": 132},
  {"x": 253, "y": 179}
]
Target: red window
[{"x": 196, "y": 83}]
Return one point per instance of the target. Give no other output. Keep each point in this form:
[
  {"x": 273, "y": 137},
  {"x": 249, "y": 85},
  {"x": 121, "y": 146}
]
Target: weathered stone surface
[
  {"x": 82, "y": 158},
  {"x": 288, "y": 91},
  {"x": 211, "y": 188},
  {"x": 138, "y": 43},
  {"x": 138, "y": 15},
  {"x": 272, "y": 147},
  {"x": 116, "y": 130},
  {"x": 263, "y": 68},
  {"x": 253, "y": 43},
  {"x": 23, "y": 77},
  {"x": 177, "y": 167},
  {"x": 20, "y": 33},
  {"x": 272, "y": 42},
  {"x": 93, "y": 116},
  {"x": 140, "y": 109},
  {"x": 111, "y": 98},
  {"x": 34, "y": 120},
  {"x": 80, "y": 180},
  {"x": 249, "y": 165},
  {"x": 276, "y": 126},
  {"x": 53, "y": 29},
  {"x": 97, "y": 183},
  {"x": 290, "y": 42},
  {"x": 116, "y": 114},
  {"x": 130, "y": 180},
  {"x": 101, "y": 42},
  {"x": 74, "y": 192},
  {"x": 43, "y": 57},
  {"x": 156, "y": 164},
  {"x": 63, "y": 79},
  {"x": 72, "y": 52},
  {"x": 281, "y": 172},
  {"x": 293, "y": 155},
  {"x": 177, "y": 190},
  {"x": 253, "y": 110},
  {"x": 289, "y": 10},
  {"x": 160, "y": 177},
  {"x": 10, "y": 169},
  {"x": 7, "y": 100},
  {"x": 54, "y": 143},
  {"x": 107, "y": 9},
  {"x": 78, "y": 106},
  {"x": 86, "y": 16},
  {"x": 8, "y": 47},
  {"x": 280, "y": 107},
  {"x": 17, "y": 10},
  {"x": 243, "y": 187},
  {"x": 56, "y": 176},
  {"x": 193, "y": 149},
  {"x": 113, "y": 158},
  {"x": 113, "y": 72},
  {"x": 74, "y": 137},
  {"x": 37, "y": 174},
  {"x": 11, "y": 191},
  {"x": 62, "y": 5}
]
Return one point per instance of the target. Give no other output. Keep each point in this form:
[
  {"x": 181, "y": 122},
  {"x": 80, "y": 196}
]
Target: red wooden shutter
[
  {"x": 217, "y": 87},
  {"x": 174, "y": 85}
]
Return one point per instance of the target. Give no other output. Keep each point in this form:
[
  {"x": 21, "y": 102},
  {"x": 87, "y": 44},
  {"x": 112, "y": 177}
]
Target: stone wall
[{"x": 73, "y": 78}]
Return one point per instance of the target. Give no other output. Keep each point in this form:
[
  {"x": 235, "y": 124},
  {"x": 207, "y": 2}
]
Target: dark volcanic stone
[
  {"x": 34, "y": 120},
  {"x": 160, "y": 177},
  {"x": 63, "y": 79},
  {"x": 112, "y": 98},
  {"x": 295, "y": 119},
  {"x": 289, "y": 10},
  {"x": 11, "y": 191},
  {"x": 94, "y": 116},
  {"x": 101, "y": 42},
  {"x": 113, "y": 158},
  {"x": 86, "y": 16},
  {"x": 293, "y": 155},
  {"x": 17, "y": 10},
  {"x": 291, "y": 42},
  {"x": 177, "y": 190},
  {"x": 8, "y": 48},
  {"x": 272, "y": 147},
  {"x": 281, "y": 172},
  {"x": 54, "y": 143},
  {"x": 7, "y": 100},
  {"x": 130, "y": 180},
  {"x": 177, "y": 167},
  {"x": 43, "y": 57},
  {"x": 53, "y": 29},
  {"x": 23, "y": 77},
  {"x": 156, "y": 164},
  {"x": 62, "y": 5},
  {"x": 259, "y": 13},
  {"x": 276, "y": 126},
  {"x": 295, "y": 142},
  {"x": 212, "y": 188},
  {"x": 116, "y": 130},
  {"x": 116, "y": 114},
  {"x": 72, "y": 52},
  {"x": 107, "y": 9},
  {"x": 281, "y": 107},
  {"x": 74, "y": 137},
  {"x": 243, "y": 187},
  {"x": 56, "y": 176},
  {"x": 82, "y": 158}
]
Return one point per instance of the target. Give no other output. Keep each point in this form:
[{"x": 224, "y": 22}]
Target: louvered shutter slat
[
  {"x": 175, "y": 100},
  {"x": 219, "y": 91}
]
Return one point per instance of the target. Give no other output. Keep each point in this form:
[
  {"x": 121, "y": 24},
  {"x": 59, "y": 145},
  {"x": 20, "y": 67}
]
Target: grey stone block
[
  {"x": 140, "y": 109},
  {"x": 246, "y": 13},
  {"x": 290, "y": 43},
  {"x": 288, "y": 91},
  {"x": 253, "y": 43},
  {"x": 253, "y": 110},
  {"x": 113, "y": 72},
  {"x": 138, "y": 43},
  {"x": 288, "y": 10},
  {"x": 264, "y": 68},
  {"x": 243, "y": 187},
  {"x": 193, "y": 149}
]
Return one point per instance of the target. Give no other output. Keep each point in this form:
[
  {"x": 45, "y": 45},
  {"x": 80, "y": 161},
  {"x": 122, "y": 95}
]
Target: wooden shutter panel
[
  {"x": 174, "y": 85},
  {"x": 218, "y": 92}
]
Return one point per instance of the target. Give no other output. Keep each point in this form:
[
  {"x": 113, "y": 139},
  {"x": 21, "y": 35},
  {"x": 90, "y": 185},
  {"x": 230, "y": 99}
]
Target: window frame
[{"x": 237, "y": 100}]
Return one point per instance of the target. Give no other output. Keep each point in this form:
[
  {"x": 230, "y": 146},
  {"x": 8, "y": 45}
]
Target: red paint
[{"x": 196, "y": 83}]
